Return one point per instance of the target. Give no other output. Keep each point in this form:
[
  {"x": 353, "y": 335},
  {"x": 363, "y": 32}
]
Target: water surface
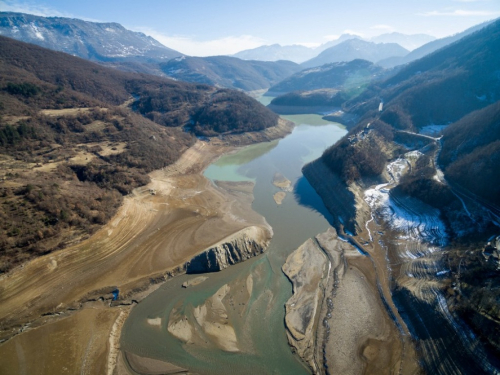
[{"x": 301, "y": 216}]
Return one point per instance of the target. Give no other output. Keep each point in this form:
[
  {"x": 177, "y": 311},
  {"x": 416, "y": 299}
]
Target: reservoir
[{"x": 260, "y": 328}]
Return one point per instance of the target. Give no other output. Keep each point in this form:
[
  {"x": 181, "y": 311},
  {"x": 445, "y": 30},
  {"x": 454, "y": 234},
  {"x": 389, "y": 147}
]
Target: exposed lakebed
[{"x": 254, "y": 291}]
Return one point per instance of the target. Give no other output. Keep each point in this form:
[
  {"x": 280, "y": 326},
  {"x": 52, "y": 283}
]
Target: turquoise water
[{"x": 301, "y": 216}]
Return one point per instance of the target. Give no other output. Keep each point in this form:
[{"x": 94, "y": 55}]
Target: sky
[{"x": 217, "y": 27}]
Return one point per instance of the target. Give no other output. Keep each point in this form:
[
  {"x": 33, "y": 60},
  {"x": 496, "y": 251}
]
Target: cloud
[
  {"x": 308, "y": 44},
  {"x": 352, "y": 32},
  {"x": 459, "y": 13},
  {"x": 331, "y": 37},
  {"x": 382, "y": 27},
  {"x": 30, "y": 8},
  {"x": 192, "y": 47}
]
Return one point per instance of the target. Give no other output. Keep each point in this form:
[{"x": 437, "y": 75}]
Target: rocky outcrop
[
  {"x": 305, "y": 268},
  {"x": 239, "y": 247}
]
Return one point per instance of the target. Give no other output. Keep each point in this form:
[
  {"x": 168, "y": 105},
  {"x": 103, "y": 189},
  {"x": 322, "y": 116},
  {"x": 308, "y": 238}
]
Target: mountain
[
  {"x": 295, "y": 52},
  {"x": 231, "y": 72},
  {"x": 89, "y": 40},
  {"x": 441, "y": 87},
  {"x": 75, "y": 136},
  {"x": 356, "y": 49},
  {"x": 333, "y": 43},
  {"x": 429, "y": 47},
  {"x": 410, "y": 42},
  {"x": 457, "y": 85},
  {"x": 338, "y": 75},
  {"x": 275, "y": 52}
]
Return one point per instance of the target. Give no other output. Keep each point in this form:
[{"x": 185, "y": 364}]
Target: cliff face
[
  {"x": 336, "y": 196},
  {"x": 245, "y": 244}
]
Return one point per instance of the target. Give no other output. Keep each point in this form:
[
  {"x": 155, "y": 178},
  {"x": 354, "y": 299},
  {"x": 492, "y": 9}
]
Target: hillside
[
  {"x": 471, "y": 153},
  {"x": 429, "y": 47},
  {"x": 340, "y": 75},
  {"x": 89, "y": 40},
  {"x": 356, "y": 49},
  {"x": 229, "y": 72},
  {"x": 439, "y": 88},
  {"x": 70, "y": 146}
]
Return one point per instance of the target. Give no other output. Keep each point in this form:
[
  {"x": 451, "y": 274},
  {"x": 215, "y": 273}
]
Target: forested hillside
[
  {"x": 441, "y": 87},
  {"x": 76, "y": 136}
]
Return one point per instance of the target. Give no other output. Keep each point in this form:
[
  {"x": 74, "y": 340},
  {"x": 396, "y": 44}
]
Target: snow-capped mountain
[{"x": 89, "y": 40}]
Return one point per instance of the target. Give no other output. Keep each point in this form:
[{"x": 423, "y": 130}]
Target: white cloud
[
  {"x": 30, "y": 8},
  {"x": 459, "y": 13},
  {"x": 331, "y": 37},
  {"x": 192, "y": 47},
  {"x": 308, "y": 44},
  {"x": 382, "y": 27},
  {"x": 352, "y": 32}
]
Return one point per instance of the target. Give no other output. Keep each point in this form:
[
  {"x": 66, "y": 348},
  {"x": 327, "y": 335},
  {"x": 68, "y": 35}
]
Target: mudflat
[{"x": 157, "y": 230}]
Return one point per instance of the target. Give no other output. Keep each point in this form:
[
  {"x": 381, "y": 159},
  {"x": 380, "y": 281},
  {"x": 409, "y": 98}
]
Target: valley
[{"x": 334, "y": 212}]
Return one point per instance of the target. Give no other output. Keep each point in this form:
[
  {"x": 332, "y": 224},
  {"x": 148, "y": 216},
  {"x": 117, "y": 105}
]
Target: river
[{"x": 260, "y": 328}]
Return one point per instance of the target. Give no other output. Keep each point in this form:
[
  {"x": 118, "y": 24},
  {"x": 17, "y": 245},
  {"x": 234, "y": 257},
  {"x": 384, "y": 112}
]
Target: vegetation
[
  {"x": 229, "y": 72},
  {"x": 362, "y": 153},
  {"x": 231, "y": 112},
  {"x": 471, "y": 153},
  {"x": 69, "y": 151},
  {"x": 339, "y": 76},
  {"x": 442, "y": 87}
]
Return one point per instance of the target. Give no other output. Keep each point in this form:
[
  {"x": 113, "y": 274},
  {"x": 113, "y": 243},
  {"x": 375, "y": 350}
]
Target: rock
[
  {"x": 279, "y": 196},
  {"x": 196, "y": 281},
  {"x": 281, "y": 182},
  {"x": 305, "y": 268},
  {"x": 241, "y": 246}
]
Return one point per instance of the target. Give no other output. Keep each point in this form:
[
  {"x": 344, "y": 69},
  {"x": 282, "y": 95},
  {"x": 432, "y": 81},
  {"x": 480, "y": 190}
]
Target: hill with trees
[
  {"x": 470, "y": 155},
  {"x": 440, "y": 88},
  {"x": 229, "y": 72},
  {"x": 76, "y": 136},
  {"x": 429, "y": 47},
  {"x": 338, "y": 75}
]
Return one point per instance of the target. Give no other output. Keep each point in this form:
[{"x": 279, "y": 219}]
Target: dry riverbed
[{"x": 57, "y": 313}]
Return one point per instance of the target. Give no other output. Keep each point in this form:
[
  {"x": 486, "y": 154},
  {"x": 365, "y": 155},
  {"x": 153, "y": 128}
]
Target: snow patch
[{"x": 432, "y": 129}]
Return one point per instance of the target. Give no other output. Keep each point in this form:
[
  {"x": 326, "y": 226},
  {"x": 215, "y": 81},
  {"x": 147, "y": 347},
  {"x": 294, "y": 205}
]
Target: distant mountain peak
[
  {"x": 352, "y": 49},
  {"x": 106, "y": 41}
]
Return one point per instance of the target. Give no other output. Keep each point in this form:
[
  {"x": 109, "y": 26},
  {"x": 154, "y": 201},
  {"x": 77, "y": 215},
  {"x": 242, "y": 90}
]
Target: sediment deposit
[
  {"x": 156, "y": 233},
  {"x": 306, "y": 268}
]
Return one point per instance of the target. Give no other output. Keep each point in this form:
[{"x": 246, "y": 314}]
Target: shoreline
[{"x": 180, "y": 202}]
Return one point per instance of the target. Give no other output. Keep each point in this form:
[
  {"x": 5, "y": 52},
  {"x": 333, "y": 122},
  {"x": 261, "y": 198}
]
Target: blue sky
[{"x": 210, "y": 27}]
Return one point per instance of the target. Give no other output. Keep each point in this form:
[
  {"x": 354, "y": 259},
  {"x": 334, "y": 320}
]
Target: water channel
[{"x": 260, "y": 330}]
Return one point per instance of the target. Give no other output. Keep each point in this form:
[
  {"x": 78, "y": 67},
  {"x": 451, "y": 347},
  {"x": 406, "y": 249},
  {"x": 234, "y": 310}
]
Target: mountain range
[
  {"x": 430, "y": 47},
  {"x": 353, "y": 49},
  {"x": 89, "y": 40},
  {"x": 461, "y": 79},
  {"x": 441, "y": 87},
  {"x": 300, "y": 54}
]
